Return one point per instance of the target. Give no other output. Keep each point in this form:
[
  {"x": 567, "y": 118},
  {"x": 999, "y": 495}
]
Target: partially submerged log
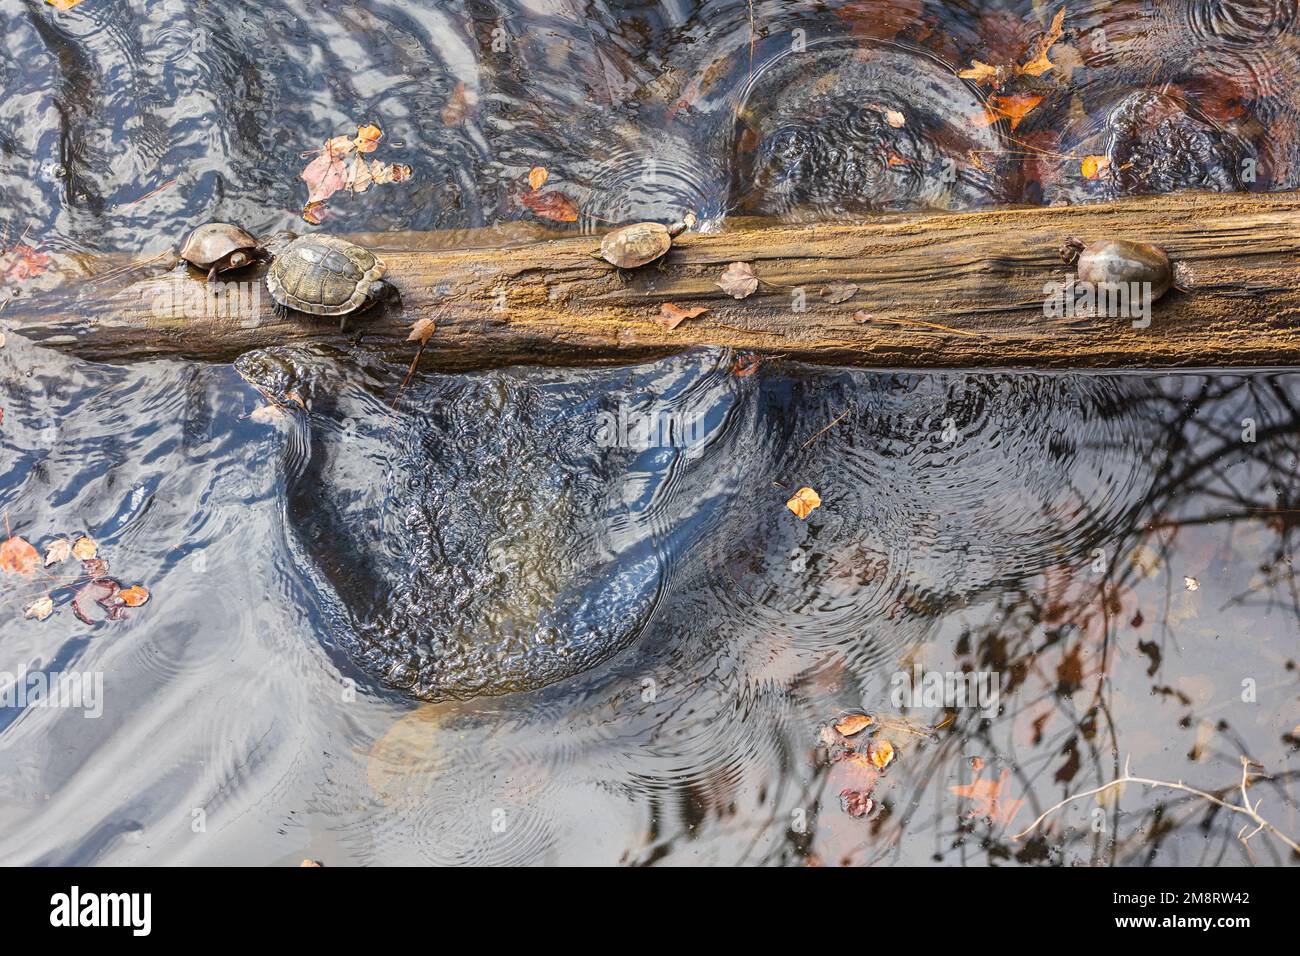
[{"x": 938, "y": 290}]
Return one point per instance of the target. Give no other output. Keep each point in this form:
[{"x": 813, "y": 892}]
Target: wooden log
[{"x": 936, "y": 290}]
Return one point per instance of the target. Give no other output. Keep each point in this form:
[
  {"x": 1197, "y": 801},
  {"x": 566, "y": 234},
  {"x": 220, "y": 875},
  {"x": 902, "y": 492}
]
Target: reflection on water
[
  {"x": 514, "y": 616},
  {"x": 1108, "y": 546}
]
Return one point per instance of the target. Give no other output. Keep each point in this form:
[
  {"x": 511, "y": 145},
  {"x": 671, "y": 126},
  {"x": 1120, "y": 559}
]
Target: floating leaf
[
  {"x": 58, "y": 551},
  {"x": 895, "y": 119},
  {"x": 985, "y": 74},
  {"x": 314, "y": 213},
  {"x": 551, "y": 205},
  {"x": 18, "y": 557},
  {"x": 101, "y": 591},
  {"x": 671, "y": 316},
  {"x": 368, "y": 138},
  {"x": 84, "y": 548},
  {"x": 457, "y": 106},
  {"x": 40, "y": 609},
  {"x": 325, "y": 175},
  {"x": 22, "y": 262},
  {"x": 268, "y": 414},
  {"x": 838, "y": 292},
  {"x": 882, "y": 754},
  {"x": 134, "y": 596},
  {"x": 537, "y": 177},
  {"x": 421, "y": 331},
  {"x": 63, "y": 4},
  {"x": 856, "y": 803},
  {"x": 1191, "y": 584},
  {"x": 987, "y": 797},
  {"x": 383, "y": 173},
  {"x": 94, "y": 567},
  {"x": 854, "y": 724},
  {"x": 1014, "y": 108},
  {"x": 1037, "y": 64},
  {"x": 331, "y": 171},
  {"x": 739, "y": 280},
  {"x": 1094, "y": 166},
  {"x": 803, "y": 502},
  {"x": 746, "y": 365}
]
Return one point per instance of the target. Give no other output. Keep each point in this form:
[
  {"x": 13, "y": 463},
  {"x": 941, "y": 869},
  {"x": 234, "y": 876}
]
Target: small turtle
[
  {"x": 326, "y": 275},
  {"x": 218, "y": 247},
  {"x": 641, "y": 243},
  {"x": 1110, "y": 261}
]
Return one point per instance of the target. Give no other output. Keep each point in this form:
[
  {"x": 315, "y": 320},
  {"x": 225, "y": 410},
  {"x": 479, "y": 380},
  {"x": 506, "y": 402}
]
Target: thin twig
[{"x": 1246, "y": 809}]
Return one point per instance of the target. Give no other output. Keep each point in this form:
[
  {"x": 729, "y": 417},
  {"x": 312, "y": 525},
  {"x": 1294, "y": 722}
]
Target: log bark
[{"x": 935, "y": 290}]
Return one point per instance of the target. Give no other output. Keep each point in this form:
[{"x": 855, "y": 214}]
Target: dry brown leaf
[
  {"x": 456, "y": 107},
  {"x": 421, "y": 331},
  {"x": 84, "y": 548},
  {"x": 671, "y": 316},
  {"x": 882, "y": 754},
  {"x": 314, "y": 213},
  {"x": 854, "y": 724},
  {"x": 18, "y": 557},
  {"x": 40, "y": 609},
  {"x": 309, "y": 863},
  {"x": 58, "y": 551},
  {"x": 537, "y": 177},
  {"x": 1014, "y": 107},
  {"x": 133, "y": 596},
  {"x": 1037, "y": 63},
  {"x": 739, "y": 280},
  {"x": 838, "y": 292},
  {"x": 552, "y": 205},
  {"x": 985, "y": 74},
  {"x": 803, "y": 502},
  {"x": 1094, "y": 166}
]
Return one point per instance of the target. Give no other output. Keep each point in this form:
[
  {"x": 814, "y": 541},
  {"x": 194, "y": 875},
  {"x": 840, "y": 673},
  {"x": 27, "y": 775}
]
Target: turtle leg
[
  {"x": 212, "y": 274},
  {"x": 343, "y": 323}
]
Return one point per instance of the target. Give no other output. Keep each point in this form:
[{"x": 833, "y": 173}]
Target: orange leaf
[
  {"x": 803, "y": 502},
  {"x": 456, "y": 107},
  {"x": 421, "y": 331},
  {"x": 367, "y": 140},
  {"x": 552, "y": 205},
  {"x": 537, "y": 177},
  {"x": 882, "y": 754},
  {"x": 1094, "y": 166},
  {"x": 1015, "y": 108},
  {"x": 18, "y": 557},
  {"x": 1037, "y": 62},
  {"x": 63, "y": 4},
  {"x": 985, "y": 74},
  {"x": 671, "y": 316},
  {"x": 133, "y": 596},
  {"x": 987, "y": 797},
  {"x": 854, "y": 724},
  {"x": 746, "y": 365}
]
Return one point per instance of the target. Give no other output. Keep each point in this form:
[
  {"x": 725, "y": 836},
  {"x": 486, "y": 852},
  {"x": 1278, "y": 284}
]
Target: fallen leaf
[
  {"x": 881, "y": 754},
  {"x": 854, "y": 724},
  {"x": 133, "y": 596},
  {"x": 94, "y": 567},
  {"x": 22, "y": 262},
  {"x": 895, "y": 119},
  {"x": 314, "y": 213},
  {"x": 551, "y": 205},
  {"x": 862, "y": 318},
  {"x": 367, "y": 140},
  {"x": 331, "y": 171},
  {"x": 383, "y": 173},
  {"x": 986, "y": 74},
  {"x": 856, "y": 803},
  {"x": 1037, "y": 63},
  {"x": 63, "y": 4},
  {"x": 1094, "y": 166},
  {"x": 746, "y": 365},
  {"x": 309, "y": 863},
  {"x": 1191, "y": 584},
  {"x": 18, "y": 557},
  {"x": 457, "y": 106},
  {"x": 1014, "y": 108},
  {"x": 40, "y": 609},
  {"x": 58, "y": 551},
  {"x": 84, "y": 548},
  {"x": 803, "y": 502},
  {"x": 325, "y": 175},
  {"x": 739, "y": 280},
  {"x": 537, "y": 177},
  {"x": 101, "y": 591},
  {"x": 359, "y": 177},
  {"x": 421, "y": 331},
  {"x": 671, "y": 316},
  {"x": 268, "y": 414},
  {"x": 838, "y": 292},
  {"x": 987, "y": 797}
]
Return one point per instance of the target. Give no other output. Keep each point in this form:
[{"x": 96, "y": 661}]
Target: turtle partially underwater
[
  {"x": 641, "y": 243},
  {"x": 219, "y": 247},
  {"x": 326, "y": 275}
]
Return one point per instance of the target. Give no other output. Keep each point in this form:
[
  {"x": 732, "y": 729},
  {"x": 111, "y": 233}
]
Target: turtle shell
[
  {"x": 324, "y": 275},
  {"x": 213, "y": 243},
  {"x": 636, "y": 245}
]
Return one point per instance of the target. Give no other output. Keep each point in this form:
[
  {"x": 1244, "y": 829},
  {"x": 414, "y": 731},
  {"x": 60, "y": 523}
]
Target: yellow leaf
[
  {"x": 63, "y": 4},
  {"x": 881, "y": 754},
  {"x": 1094, "y": 166},
  {"x": 40, "y": 609},
  {"x": 985, "y": 74},
  {"x": 367, "y": 140},
  {"x": 84, "y": 549},
  {"x": 537, "y": 177},
  {"x": 803, "y": 502}
]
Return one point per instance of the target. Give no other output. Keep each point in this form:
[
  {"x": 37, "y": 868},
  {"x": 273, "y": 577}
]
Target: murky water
[{"x": 536, "y": 615}]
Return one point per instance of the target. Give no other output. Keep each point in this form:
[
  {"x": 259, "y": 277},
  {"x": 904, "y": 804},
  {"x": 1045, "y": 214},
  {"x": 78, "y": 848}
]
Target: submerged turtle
[
  {"x": 326, "y": 275},
  {"x": 641, "y": 243},
  {"x": 218, "y": 247}
]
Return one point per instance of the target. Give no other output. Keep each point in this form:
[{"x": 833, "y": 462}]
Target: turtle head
[
  {"x": 277, "y": 243},
  {"x": 382, "y": 291},
  {"x": 677, "y": 228}
]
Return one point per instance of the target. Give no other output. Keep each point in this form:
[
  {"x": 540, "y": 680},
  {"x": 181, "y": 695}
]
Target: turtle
[
  {"x": 326, "y": 275},
  {"x": 641, "y": 243},
  {"x": 218, "y": 247}
]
